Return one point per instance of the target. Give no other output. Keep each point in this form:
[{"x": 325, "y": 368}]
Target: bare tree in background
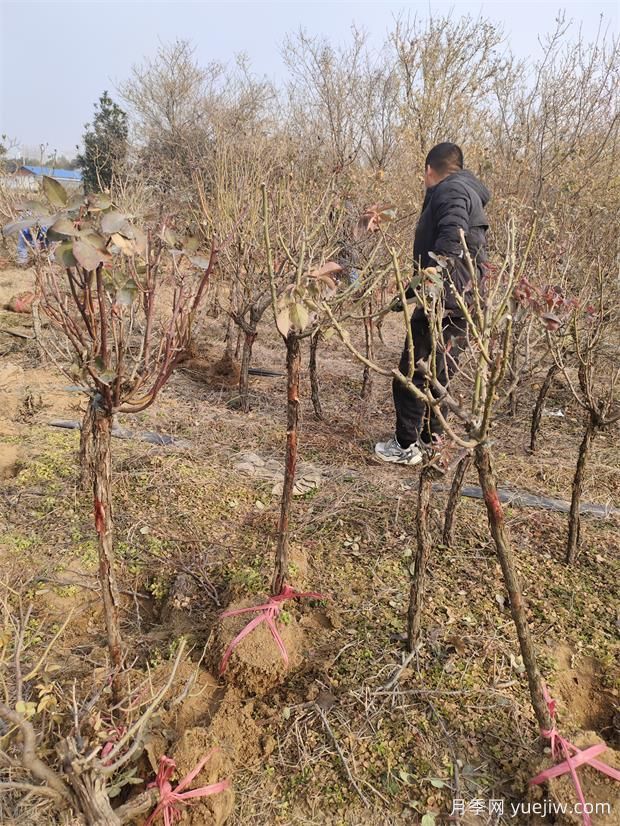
[
  {"x": 446, "y": 67},
  {"x": 592, "y": 353},
  {"x": 323, "y": 95}
]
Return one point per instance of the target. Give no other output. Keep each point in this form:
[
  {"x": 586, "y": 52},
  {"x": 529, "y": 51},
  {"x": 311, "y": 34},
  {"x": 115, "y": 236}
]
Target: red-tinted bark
[
  {"x": 293, "y": 359},
  {"x": 495, "y": 513}
]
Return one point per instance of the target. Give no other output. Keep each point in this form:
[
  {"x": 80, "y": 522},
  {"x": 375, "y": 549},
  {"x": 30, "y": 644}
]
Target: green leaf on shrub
[
  {"x": 87, "y": 256},
  {"x": 113, "y": 221},
  {"x": 283, "y": 320},
  {"x": 63, "y": 254},
  {"x": 55, "y": 192},
  {"x": 299, "y": 317},
  {"x": 64, "y": 226},
  {"x": 95, "y": 239},
  {"x": 98, "y": 202},
  {"x": 76, "y": 202}
]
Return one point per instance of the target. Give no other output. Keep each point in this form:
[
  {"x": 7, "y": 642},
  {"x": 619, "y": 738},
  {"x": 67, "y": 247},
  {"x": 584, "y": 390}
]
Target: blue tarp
[{"x": 61, "y": 174}]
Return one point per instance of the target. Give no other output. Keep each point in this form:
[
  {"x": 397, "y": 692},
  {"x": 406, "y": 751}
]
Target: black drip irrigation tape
[
  {"x": 120, "y": 433},
  {"x": 522, "y": 499}
]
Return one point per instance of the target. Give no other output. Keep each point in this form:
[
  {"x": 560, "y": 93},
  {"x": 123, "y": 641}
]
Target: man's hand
[{"x": 395, "y": 305}]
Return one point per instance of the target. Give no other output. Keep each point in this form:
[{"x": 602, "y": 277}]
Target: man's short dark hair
[{"x": 445, "y": 158}]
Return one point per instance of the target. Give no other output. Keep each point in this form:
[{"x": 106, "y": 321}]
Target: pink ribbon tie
[
  {"x": 573, "y": 758},
  {"x": 268, "y": 613},
  {"x": 170, "y": 798}
]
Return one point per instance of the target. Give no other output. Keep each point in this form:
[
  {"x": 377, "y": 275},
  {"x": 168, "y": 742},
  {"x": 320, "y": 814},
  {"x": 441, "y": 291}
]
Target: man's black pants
[{"x": 414, "y": 420}]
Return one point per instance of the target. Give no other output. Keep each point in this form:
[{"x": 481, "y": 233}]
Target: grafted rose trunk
[
  {"x": 91, "y": 793},
  {"x": 574, "y": 516},
  {"x": 453, "y": 499},
  {"x": 495, "y": 513},
  {"x": 244, "y": 374},
  {"x": 513, "y": 397},
  {"x": 424, "y": 543},
  {"x": 315, "y": 390},
  {"x": 540, "y": 403},
  {"x": 369, "y": 343},
  {"x": 293, "y": 359},
  {"x": 102, "y": 492}
]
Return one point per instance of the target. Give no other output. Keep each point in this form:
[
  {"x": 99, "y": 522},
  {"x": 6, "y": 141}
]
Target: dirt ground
[{"x": 328, "y": 742}]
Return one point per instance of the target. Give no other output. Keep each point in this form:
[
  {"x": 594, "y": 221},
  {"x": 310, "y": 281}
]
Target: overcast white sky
[{"x": 57, "y": 57}]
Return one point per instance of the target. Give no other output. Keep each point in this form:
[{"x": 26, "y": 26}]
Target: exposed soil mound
[
  {"x": 25, "y": 394},
  {"x": 579, "y": 687},
  {"x": 215, "y": 809},
  {"x": 256, "y": 664},
  {"x": 235, "y": 735},
  {"x": 9, "y": 463},
  {"x": 21, "y": 302},
  {"x": 601, "y": 793},
  {"x": 234, "y": 731},
  {"x": 201, "y": 694}
]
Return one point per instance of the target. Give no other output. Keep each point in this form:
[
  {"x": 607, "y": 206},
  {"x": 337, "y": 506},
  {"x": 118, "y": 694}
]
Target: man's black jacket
[{"x": 455, "y": 203}]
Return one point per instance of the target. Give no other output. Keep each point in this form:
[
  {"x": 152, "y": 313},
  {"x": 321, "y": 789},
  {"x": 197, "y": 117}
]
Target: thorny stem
[
  {"x": 102, "y": 494},
  {"x": 370, "y": 354},
  {"x": 540, "y": 403},
  {"x": 495, "y": 515},
  {"x": 454, "y": 499},
  {"x": 424, "y": 544},
  {"x": 574, "y": 518},
  {"x": 103, "y": 319},
  {"x": 267, "y": 238},
  {"x": 293, "y": 357},
  {"x": 18, "y": 653},
  {"x": 315, "y": 391}
]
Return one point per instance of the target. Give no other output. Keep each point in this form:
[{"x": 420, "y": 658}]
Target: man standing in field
[{"x": 455, "y": 200}]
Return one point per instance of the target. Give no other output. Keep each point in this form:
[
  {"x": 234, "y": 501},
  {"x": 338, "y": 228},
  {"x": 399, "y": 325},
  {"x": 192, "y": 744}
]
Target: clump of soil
[
  {"x": 9, "y": 463},
  {"x": 215, "y": 809},
  {"x": 579, "y": 687},
  {"x": 597, "y": 788},
  {"x": 175, "y": 612},
  {"x": 237, "y": 738},
  {"x": 201, "y": 694},
  {"x": 256, "y": 664},
  {"x": 21, "y": 302},
  {"x": 234, "y": 731}
]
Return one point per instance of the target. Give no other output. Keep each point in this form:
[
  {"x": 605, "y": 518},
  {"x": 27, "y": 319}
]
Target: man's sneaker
[{"x": 391, "y": 451}]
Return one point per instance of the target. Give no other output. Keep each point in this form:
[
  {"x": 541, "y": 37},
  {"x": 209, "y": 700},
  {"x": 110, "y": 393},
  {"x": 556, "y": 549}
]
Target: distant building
[{"x": 28, "y": 178}]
